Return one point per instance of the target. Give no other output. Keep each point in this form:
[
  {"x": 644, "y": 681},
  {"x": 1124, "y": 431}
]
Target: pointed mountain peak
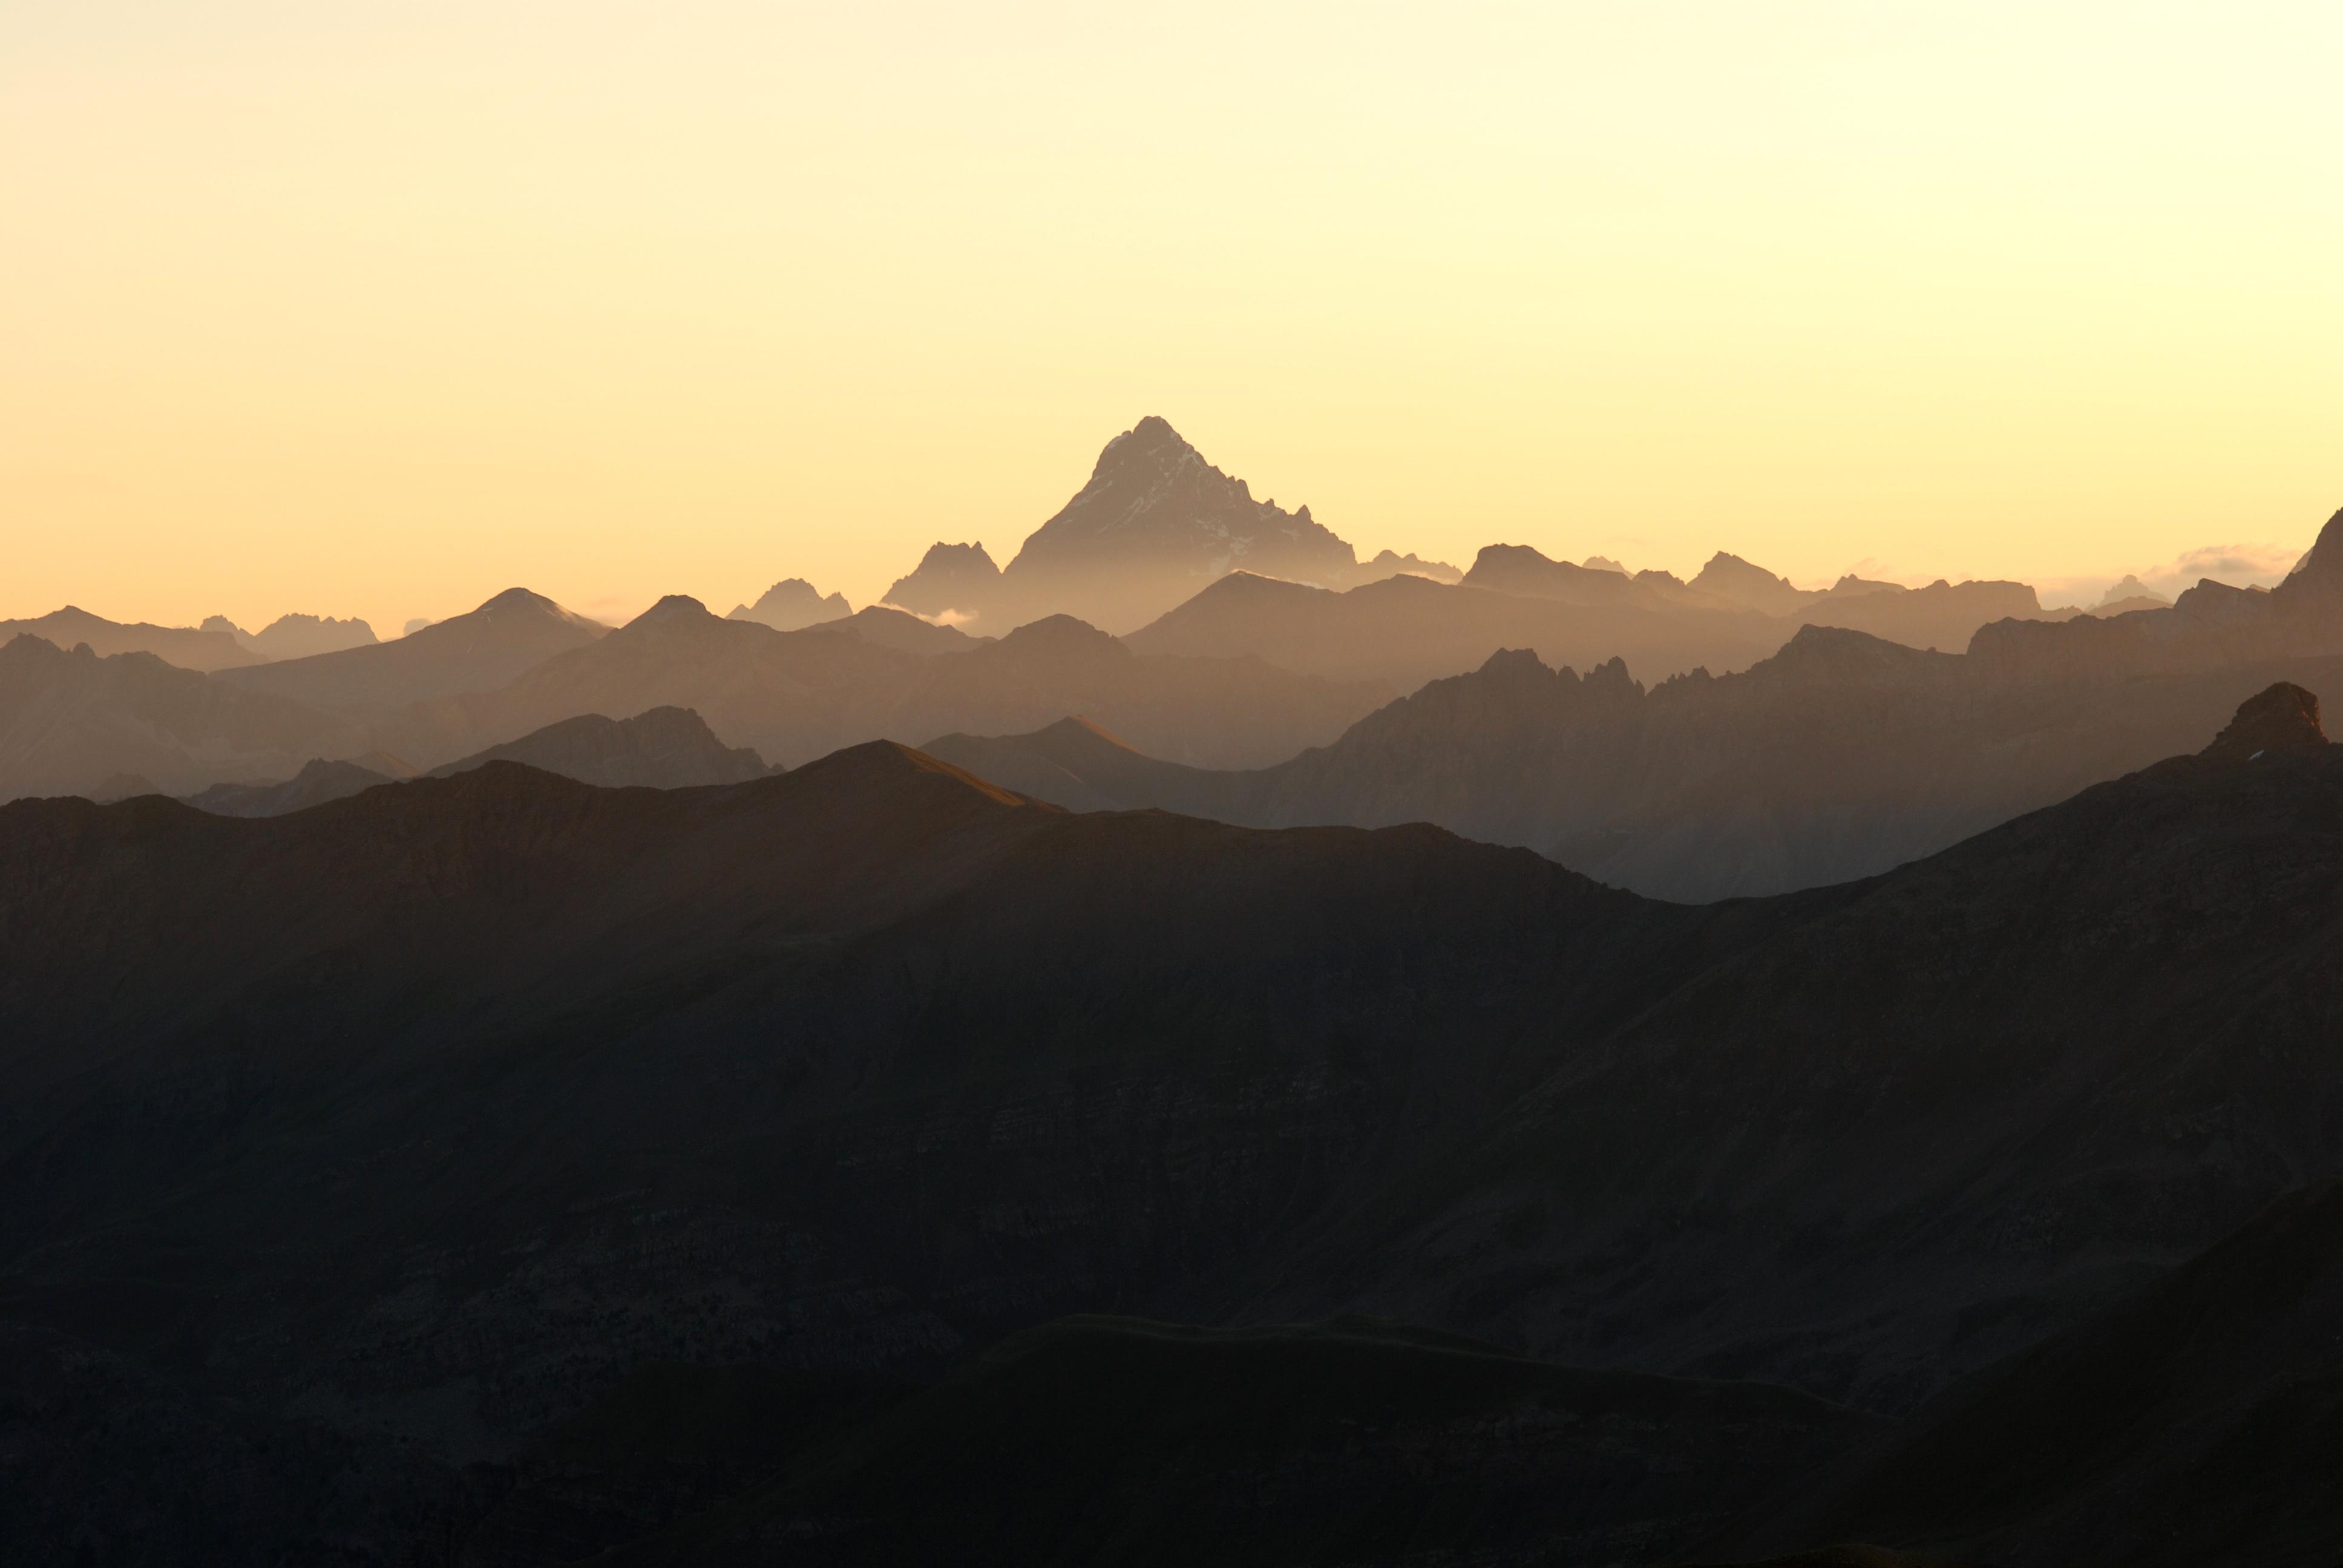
[
  {"x": 674, "y": 608},
  {"x": 2282, "y": 719},
  {"x": 1152, "y": 438}
]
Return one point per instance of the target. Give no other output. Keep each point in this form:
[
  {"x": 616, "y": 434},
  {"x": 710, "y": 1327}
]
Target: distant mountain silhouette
[
  {"x": 794, "y": 696},
  {"x": 1943, "y": 616},
  {"x": 1839, "y": 758},
  {"x": 890, "y": 627},
  {"x": 660, "y": 748},
  {"x": 318, "y": 782},
  {"x": 791, "y": 603},
  {"x": 2127, "y": 594},
  {"x": 185, "y": 647},
  {"x": 955, "y": 580},
  {"x": 70, "y": 723},
  {"x": 2210, "y": 627},
  {"x": 1156, "y": 523},
  {"x": 1407, "y": 630},
  {"x": 1728, "y": 577},
  {"x": 478, "y": 651},
  {"x": 296, "y": 636}
]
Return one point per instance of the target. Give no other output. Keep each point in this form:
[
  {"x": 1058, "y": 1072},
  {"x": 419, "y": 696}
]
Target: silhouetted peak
[
  {"x": 674, "y": 608},
  {"x": 960, "y": 557},
  {"x": 864, "y": 772},
  {"x": 2283, "y": 718},
  {"x": 517, "y": 599},
  {"x": 1516, "y": 664},
  {"x": 1061, "y": 635},
  {"x": 1074, "y": 726},
  {"x": 1729, "y": 577},
  {"x": 1152, "y": 440},
  {"x": 1612, "y": 676}
]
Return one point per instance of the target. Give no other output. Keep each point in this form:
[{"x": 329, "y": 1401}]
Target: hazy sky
[{"x": 376, "y": 309}]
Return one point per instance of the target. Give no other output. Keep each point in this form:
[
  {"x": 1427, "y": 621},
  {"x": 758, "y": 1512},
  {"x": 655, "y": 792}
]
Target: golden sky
[{"x": 377, "y": 308}]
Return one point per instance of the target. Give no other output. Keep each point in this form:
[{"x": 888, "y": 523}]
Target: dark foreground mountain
[
  {"x": 1839, "y": 758},
  {"x": 1990, "y": 1090},
  {"x": 187, "y": 647},
  {"x": 2200, "y": 1421},
  {"x": 419, "y": 1118},
  {"x": 476, "y": 651},
  {"x": 658, "y": 748},
  {"x": 1108, "y": 1441},
  {"x": 72, "y": 721}
]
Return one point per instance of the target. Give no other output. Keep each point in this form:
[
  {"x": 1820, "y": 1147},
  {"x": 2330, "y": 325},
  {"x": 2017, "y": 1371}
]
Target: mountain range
[
  {"x": 1836, "y": 759},
  {"x": 382, "y": 1138}
]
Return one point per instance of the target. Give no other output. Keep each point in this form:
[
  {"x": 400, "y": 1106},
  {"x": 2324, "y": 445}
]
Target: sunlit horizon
[{"x": 378, "y": 311}]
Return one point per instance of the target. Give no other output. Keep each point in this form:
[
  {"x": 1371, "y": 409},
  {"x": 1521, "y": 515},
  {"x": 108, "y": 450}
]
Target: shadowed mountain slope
[
  {"x": 185, "y": 648},
  {"x": 70, "y": 721},
  {"x": 430, "y": 1113},
  {"x": 476, "y": 651},
  {"x": 1990, "y": 1092},
  {"x": 2199, "y": 1422},
  {"x": 658, "y": 748},
  {"x": 1108, "y": 1441},
  {"x": 910, "y": 1062}
]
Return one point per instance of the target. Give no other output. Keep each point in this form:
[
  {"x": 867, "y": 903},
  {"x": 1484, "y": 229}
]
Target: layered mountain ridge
[{"x": 426, "y": 1115}]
